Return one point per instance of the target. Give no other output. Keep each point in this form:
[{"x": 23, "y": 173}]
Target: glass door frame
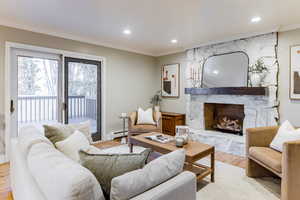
[
  {"x": 15, "y": 54},
  {"x": 98, "y": 135},
  {"x": 8, "y": 93}
]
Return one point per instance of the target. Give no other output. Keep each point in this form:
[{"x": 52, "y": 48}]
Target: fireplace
[{"x": 224, "y": 117}]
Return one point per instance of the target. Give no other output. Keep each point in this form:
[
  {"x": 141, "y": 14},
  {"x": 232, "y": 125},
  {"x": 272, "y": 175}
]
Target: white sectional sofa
[{"x": 40, "y": 172}]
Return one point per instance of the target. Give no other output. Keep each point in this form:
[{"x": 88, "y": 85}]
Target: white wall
[{"x": 289, "y": 109}]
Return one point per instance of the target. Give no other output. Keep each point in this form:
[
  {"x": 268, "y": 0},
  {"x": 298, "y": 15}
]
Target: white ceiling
[{"x": 153, "y": 22}]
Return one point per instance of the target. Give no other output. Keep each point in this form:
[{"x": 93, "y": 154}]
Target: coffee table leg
[{"x": 212, "y": 162}]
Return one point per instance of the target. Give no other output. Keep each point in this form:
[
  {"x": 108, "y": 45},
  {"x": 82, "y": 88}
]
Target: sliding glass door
[
  {"x": 35, "y": 93},
  {"x": 43, "y": 93},
  {"x": 83, "y": 93}
]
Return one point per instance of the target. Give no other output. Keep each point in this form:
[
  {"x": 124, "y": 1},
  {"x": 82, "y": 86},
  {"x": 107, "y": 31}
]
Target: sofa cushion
[
  {"x": 30, "y": 135},
  {"x": 107, "y": 166},
  {"x": 154, "y": 173},
  {"x": 59, "y": 132},
  {"x": 59, "y": 177},
  {"x": 267, "y": 156}
]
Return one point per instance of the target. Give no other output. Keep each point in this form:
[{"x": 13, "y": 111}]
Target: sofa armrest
[
  {"x": 260, "y": 137},
  {"x": 290, "y": 170},
  {"x": 182, "y": 186}
]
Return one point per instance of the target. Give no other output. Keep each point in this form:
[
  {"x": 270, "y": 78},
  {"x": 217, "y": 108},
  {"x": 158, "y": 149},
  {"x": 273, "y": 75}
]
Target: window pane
[
  {"x": 82, "y": 93},
  {"x": 37, "y": 91}
]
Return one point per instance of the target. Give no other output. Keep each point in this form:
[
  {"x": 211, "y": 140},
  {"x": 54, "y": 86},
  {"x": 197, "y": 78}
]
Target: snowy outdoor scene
[{"x": 38, "y": 92}]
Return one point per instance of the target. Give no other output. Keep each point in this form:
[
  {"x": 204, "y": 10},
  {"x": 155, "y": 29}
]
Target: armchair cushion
[
  {"x": 145, "y": 117},
  {"x": 267, "y": 156},
  {"x": 286, "y": 133},
  {"x": 146, "y": 128}
]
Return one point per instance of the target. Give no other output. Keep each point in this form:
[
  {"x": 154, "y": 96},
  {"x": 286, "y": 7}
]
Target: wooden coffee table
[{"x": 194, "y": 152}]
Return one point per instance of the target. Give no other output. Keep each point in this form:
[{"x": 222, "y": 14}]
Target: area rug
[{"x": 231, "y": 183}]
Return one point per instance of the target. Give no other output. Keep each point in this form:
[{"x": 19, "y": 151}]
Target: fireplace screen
[{"x": 224, "y": 117}]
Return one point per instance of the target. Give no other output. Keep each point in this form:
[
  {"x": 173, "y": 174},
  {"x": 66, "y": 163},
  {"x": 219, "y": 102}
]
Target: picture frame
[
  {"x": 170, "y": 80},
  {"x": 295, "y": 72}
]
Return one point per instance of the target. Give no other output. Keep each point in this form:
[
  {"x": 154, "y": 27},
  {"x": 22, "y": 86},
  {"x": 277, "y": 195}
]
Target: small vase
[{"x": 255, "y": 79}]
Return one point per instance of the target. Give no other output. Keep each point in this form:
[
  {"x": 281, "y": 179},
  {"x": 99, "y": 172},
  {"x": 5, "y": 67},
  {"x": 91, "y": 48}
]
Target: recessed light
[
  {"x": 127, "y": 32},
  {"x": 216, "y": 72},
  {"x": 255, "y": 19},
  {"x": 174, "y": 41}
]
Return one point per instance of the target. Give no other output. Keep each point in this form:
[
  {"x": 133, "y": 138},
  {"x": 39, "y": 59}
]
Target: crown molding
[
  {"x": 236, "y": 37},
  {"x": 170, "y": 52},
  {"x": 70, "y": 37},
  {"x": 289, "y": 27}
]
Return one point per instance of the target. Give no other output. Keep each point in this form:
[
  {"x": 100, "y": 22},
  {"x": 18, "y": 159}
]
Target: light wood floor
[{"x": 6, "y": 194}]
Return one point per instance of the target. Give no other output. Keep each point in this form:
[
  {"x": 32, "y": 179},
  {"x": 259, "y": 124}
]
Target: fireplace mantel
[{"x": 259, "y": 91}]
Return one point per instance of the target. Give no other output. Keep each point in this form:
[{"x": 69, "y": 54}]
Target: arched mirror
[{"x": 226, "y": 70}]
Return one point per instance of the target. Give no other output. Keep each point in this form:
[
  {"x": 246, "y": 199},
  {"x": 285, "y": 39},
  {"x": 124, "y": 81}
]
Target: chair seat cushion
[
  {"x": 267, "y": 156},
  {"x": 144, "y": 128}
]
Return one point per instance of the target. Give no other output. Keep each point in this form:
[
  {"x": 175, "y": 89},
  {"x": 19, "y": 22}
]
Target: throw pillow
[
  {"x": 107, "y": 166},
  {"x": 285, "y": 133},
  {"x": 145, "y": 117},
  {"x": 71, "y": 146},
  {"x": 59, "y": 132},
  {"x": 156, "y": 172}
]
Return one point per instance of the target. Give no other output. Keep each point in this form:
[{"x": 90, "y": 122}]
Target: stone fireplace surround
[{"x": 259, "y": 110}]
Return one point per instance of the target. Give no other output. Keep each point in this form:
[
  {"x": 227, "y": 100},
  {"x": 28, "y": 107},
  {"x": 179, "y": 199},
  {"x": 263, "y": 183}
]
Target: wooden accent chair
[
  {"x": 134, "y": 129},
  {"x": 263, "y": 161}
]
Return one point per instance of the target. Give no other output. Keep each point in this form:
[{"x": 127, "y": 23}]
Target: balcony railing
[{"x": 45, "y": 108}]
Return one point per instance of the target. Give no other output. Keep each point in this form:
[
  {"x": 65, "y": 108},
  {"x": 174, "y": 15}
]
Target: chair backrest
[{"x": 133, "y": 116}]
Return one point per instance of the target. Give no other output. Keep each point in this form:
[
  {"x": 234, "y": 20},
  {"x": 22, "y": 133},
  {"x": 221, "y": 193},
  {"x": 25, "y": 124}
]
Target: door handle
[
  {"x": 12, "y": 108},
  {"x": 64, "y": 106}
]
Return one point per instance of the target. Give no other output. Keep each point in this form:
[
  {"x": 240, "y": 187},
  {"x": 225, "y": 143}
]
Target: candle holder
[{"x": 195, "y": 74}]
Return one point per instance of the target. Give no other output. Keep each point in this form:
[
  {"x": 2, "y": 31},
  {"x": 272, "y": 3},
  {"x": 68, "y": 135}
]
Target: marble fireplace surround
[{"x": 259, "y": 110}]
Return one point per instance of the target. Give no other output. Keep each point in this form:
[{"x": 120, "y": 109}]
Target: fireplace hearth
[{"x": 226, "y": 118}]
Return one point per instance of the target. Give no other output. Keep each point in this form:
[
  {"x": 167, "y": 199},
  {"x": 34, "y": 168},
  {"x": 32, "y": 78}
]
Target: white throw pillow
[
  {"x": 285, "y": 133},
  {"x": 71, "y": 146},
  {"x": 156, "y": 172},
  {"x": 58, "y": 132},
  {"x": 145, "y": 117}
]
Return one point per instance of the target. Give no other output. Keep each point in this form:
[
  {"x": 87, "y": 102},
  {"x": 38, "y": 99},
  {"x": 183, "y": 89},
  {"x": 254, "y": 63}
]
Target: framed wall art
[
  {"x": 170, "y": 77},
  {"x": 295, "y": 72}
]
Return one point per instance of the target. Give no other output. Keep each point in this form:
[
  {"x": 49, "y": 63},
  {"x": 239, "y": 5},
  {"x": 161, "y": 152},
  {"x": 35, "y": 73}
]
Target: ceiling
[{"x": 154, "y": 23}]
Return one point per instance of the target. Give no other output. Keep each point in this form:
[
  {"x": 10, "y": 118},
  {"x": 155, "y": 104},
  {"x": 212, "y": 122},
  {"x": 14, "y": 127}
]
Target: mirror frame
[{"x": 221, "y": 54}]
